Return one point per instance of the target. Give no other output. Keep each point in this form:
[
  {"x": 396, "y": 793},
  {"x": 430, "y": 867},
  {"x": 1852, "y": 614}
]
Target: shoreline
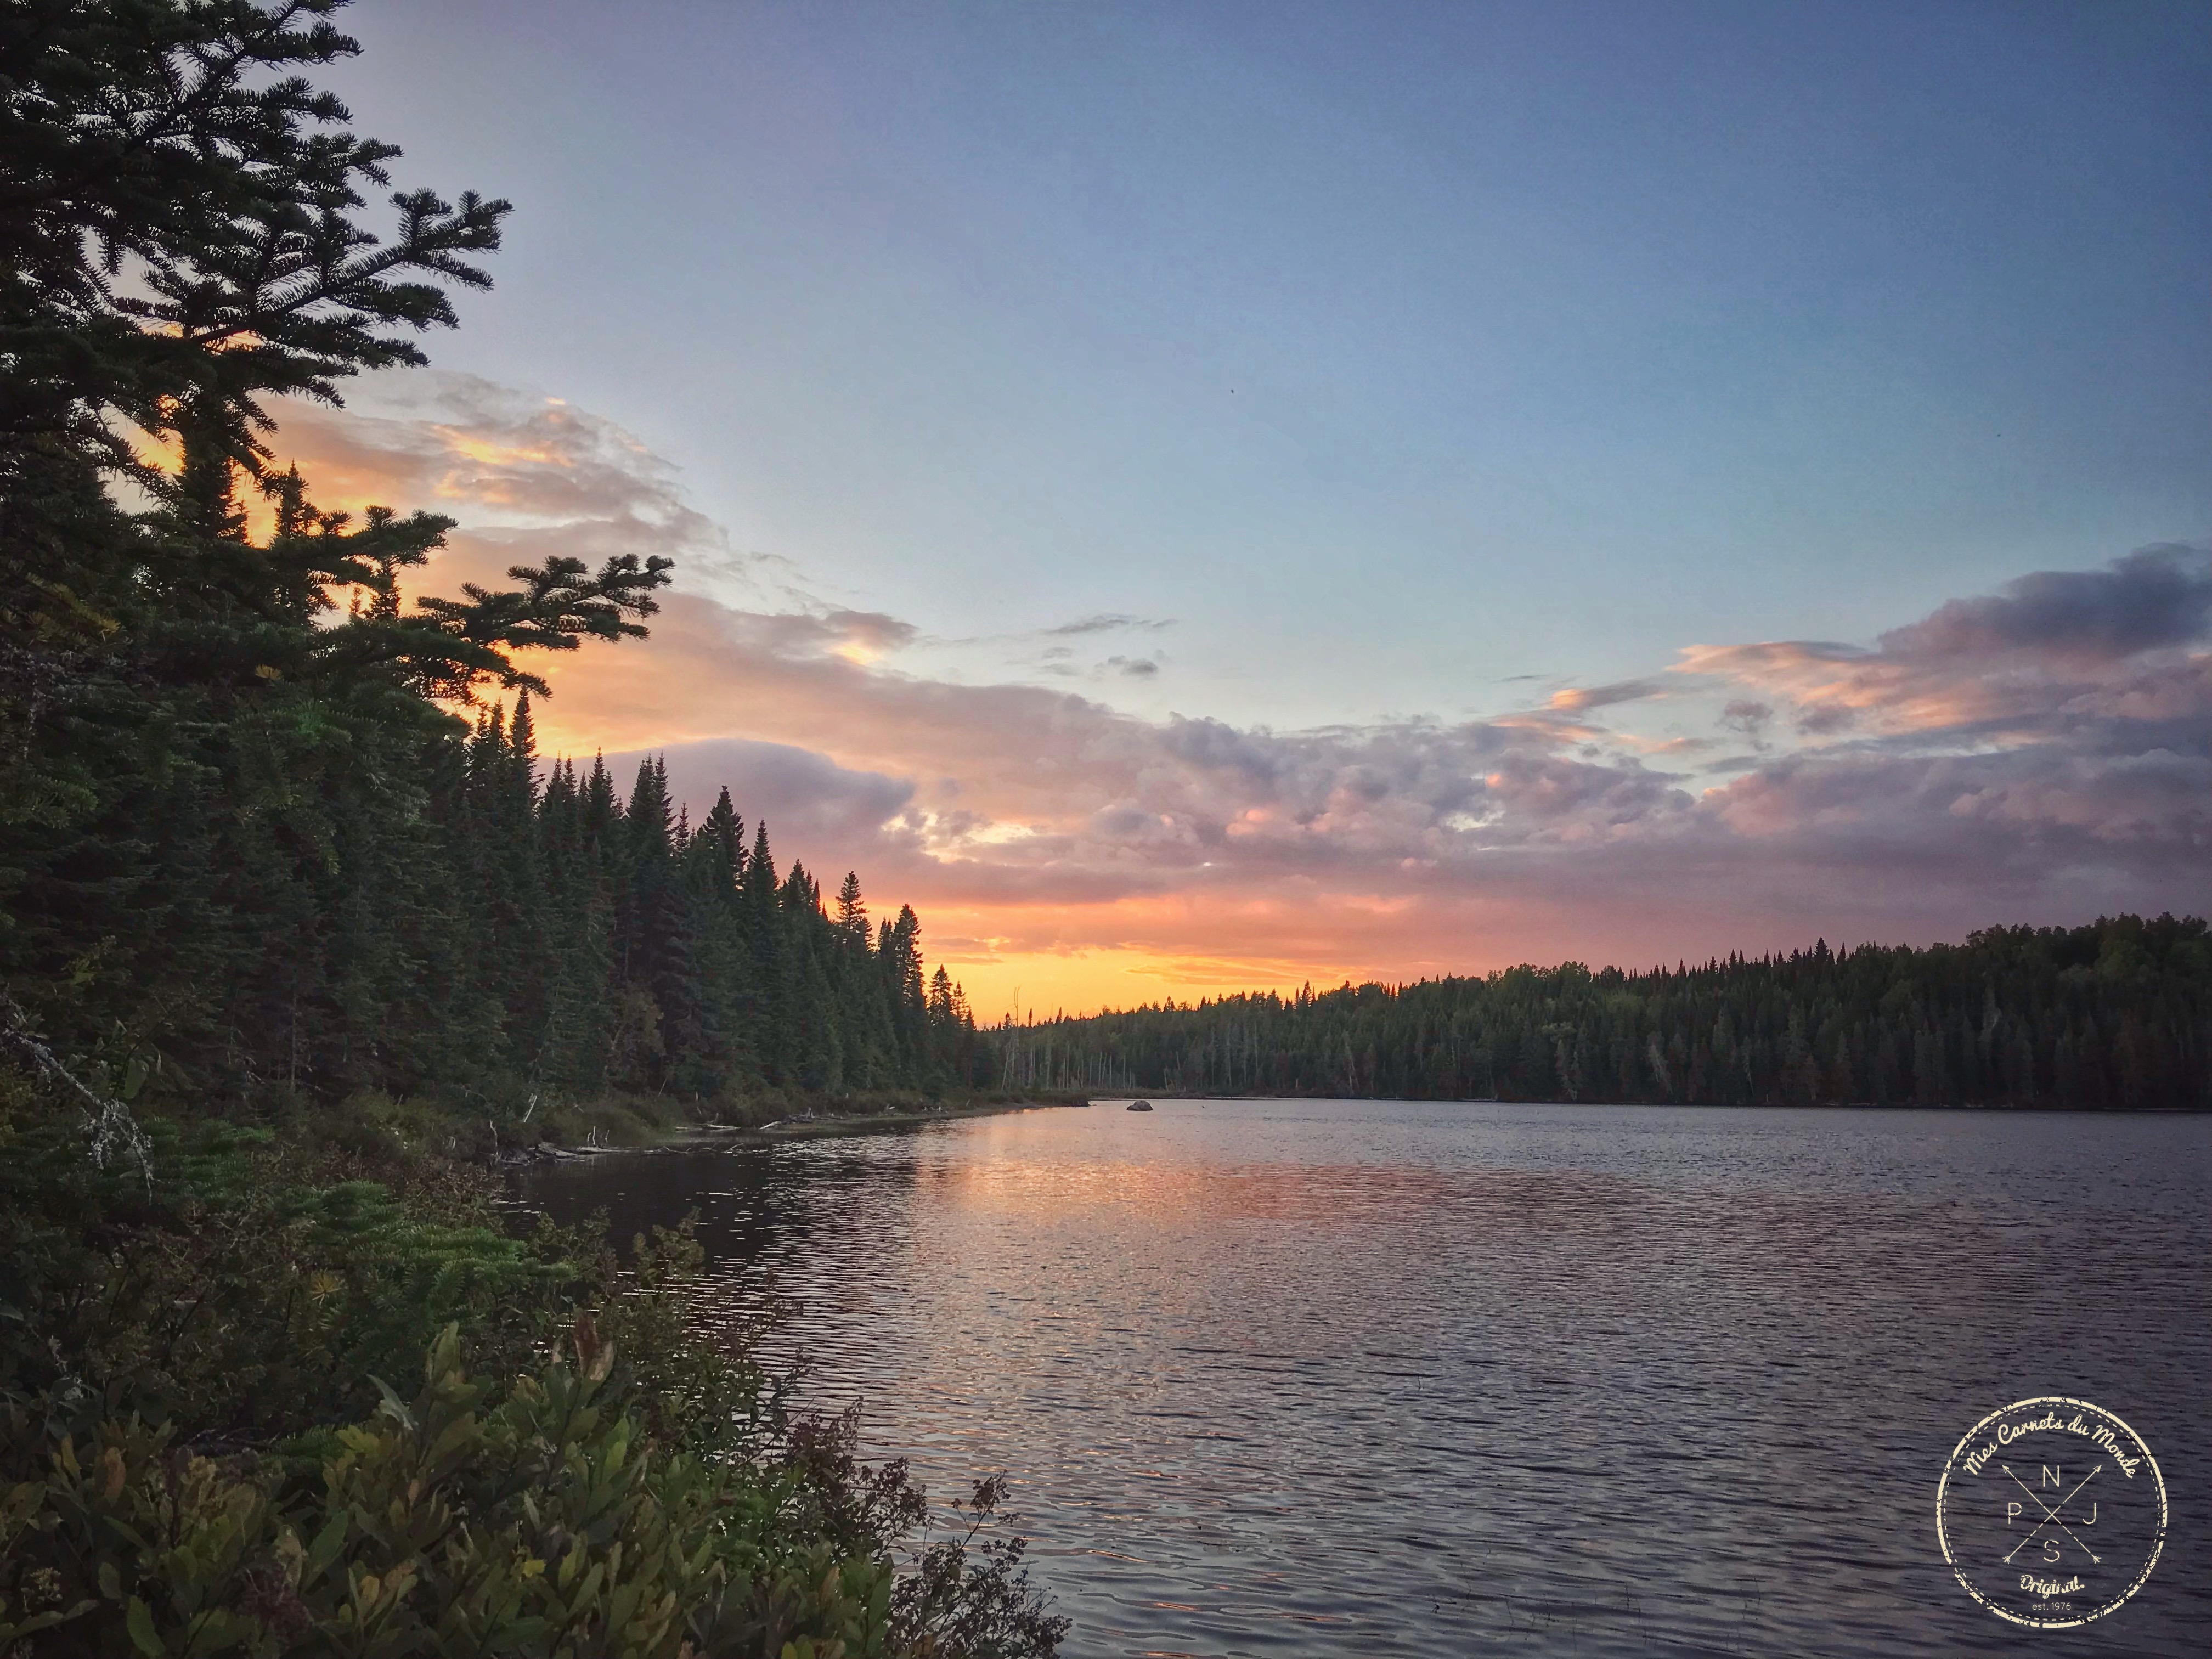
[
  {"x": 868, "y": 1124},
  {"x": 1698, "y": 1105},
  {"x": 693, "y": 1137}
]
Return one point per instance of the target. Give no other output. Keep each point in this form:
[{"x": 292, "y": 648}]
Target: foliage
[
  {"x": 197, "y": 1453},
  {"x": 249, "y": 1287},
  {"x": 533, "y": 1520},
  {"x": 2117, "y": 1014}
]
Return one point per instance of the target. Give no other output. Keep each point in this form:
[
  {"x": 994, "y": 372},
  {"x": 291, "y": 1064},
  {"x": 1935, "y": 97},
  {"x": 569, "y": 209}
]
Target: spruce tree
[{"x": 193, "y": 723}]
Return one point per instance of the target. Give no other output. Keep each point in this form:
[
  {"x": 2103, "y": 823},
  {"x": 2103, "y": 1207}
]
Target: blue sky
[
  {"x": 1416, "y": 346},
  {"x": 1435, "y": 376}
]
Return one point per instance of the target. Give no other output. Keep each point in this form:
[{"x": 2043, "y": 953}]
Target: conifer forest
[{"x": 2117, "y": 1014}]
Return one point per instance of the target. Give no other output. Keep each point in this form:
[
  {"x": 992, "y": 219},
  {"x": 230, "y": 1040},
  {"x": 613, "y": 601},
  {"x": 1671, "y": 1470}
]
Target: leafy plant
[
  {"x": 200, "y": 1454},
  {"x": 535, "y": 1520}
]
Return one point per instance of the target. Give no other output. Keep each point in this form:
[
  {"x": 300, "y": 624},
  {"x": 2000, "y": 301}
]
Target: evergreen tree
[
  {"x": 2014, "y": 1017},
  {"x": 219, "y": 757}
]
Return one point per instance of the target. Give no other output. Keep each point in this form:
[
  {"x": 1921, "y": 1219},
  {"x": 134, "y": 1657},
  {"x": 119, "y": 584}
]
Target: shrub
[
  {"x": 198, "y": 1455},
  {"x": 531, "y": 1521}
]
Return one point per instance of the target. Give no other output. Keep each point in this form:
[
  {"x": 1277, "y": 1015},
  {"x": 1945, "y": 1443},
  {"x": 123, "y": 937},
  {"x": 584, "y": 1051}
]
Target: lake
[{"x": 1307, "y": 1377}]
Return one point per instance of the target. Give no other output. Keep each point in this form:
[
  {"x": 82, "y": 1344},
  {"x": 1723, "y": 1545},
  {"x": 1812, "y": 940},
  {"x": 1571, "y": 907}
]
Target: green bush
[
  {"x": 198, "y": 1455},
  {"x": 250, "y": 1286},
  {"x": 533, "y": 1521}
]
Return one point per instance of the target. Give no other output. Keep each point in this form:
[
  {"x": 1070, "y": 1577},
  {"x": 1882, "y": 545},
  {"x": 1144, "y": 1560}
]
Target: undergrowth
[{"x": 293, "y": 1389}]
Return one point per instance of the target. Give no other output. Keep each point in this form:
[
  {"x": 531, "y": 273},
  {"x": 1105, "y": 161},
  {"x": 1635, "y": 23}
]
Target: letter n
[{"x": 2049, "y": 1475}]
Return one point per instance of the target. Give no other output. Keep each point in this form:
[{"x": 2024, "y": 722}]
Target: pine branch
[{"x": 450, "y": 647}]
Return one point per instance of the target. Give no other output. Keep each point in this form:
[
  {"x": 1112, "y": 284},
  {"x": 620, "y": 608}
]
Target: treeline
[
  {"x": 638, "y": 952},
  {"x": 464, "y": 922},
  {"x": 2114, "y": 1015}
]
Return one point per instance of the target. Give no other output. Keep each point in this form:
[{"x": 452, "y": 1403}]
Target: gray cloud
[
  {"x": 1748, "y": 719},
  {"x": 808, "y": 801},
  {"x": 1109, "y": 622},
  {"x": 2156, "y": 597},
  {"x": 2054, "y": 655}
]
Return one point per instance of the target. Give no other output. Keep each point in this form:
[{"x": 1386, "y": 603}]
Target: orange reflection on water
[{"x": 1169, "y": 1182}]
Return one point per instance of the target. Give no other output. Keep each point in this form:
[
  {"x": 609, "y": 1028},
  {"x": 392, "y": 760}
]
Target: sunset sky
[{"x": 1207, "y": 497}]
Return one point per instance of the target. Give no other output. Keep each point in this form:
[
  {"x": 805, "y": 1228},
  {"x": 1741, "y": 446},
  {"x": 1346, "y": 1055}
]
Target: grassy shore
[
  {"x": 879, "y": 1123},
  {"x": 646, "y": 1122}
]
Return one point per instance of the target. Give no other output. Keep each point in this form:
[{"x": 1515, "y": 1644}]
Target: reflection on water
[{"x": 1318, "y": 1378}]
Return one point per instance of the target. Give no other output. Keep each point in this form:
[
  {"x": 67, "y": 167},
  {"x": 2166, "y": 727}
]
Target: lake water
[{"x": 1306, "y": 1377}]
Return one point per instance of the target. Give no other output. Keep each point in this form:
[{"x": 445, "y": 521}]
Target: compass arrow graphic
[{"x": 2050, "y": 1515}]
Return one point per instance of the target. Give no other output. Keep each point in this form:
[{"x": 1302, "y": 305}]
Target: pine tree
[
  {"x": 267, "y": 816},
  {"x": 714, "y": 866},
  {"x": 193, "y": 723}
]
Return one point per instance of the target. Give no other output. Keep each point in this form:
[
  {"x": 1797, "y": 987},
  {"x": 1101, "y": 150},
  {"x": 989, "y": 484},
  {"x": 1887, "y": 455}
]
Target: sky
[{"x": 1208, "y": 496}]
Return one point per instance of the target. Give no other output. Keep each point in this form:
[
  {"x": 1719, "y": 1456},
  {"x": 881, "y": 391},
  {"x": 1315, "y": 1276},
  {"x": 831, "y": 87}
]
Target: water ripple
[{"x": 1315, "y": 1378}]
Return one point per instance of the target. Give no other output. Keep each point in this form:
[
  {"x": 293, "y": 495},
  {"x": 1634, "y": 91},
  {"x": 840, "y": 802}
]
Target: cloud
[
  {"x": 1577, "y": 698},
  {"x": 505, "y": 458},
  {"x": 809, "y": 801},
  {"x": 2056, "y": 653},
  {"x": 2149, "y": 600},
  {"x": 858, "y": 636},
  {"x": 2040, "y": 753},
  {"x": 1109, "y": 623},
  {"x": 1749, "y": 720}
]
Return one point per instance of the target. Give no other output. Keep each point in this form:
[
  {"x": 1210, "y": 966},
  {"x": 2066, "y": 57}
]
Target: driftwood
[{"x": 108, "y": 1124}]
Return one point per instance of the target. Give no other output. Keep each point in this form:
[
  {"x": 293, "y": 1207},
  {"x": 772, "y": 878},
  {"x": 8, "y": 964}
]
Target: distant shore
[{"x": 2186, "y": 1110}]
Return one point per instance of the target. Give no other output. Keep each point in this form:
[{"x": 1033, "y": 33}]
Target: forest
[
  {"x": 478, "y": 927},
  {"x": 264, "y": 836},
  {"x": 296, "y": 928},
  {"x": 2114, "y": 1015},
  {"x": 491, "y": 931},
  {"x": 649, "y": 955}
]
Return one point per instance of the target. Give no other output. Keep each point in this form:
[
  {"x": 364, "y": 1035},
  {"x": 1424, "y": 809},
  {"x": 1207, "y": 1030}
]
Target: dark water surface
[{"x": 1304, "y": 1377}]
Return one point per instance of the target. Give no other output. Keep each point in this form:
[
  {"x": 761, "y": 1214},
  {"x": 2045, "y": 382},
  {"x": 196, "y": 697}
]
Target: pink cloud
[{"x": 2057, "y": 648}]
